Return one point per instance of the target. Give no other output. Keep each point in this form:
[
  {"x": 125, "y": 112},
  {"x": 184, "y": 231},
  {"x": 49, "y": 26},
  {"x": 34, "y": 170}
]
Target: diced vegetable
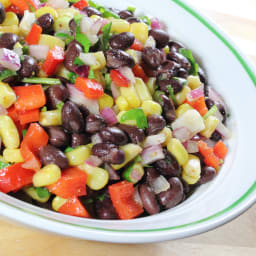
[
  {"x": 32, "y": 192},
  {"x": 134, "y": 173},
  {"x": 118, "y": 78},
  {"x": 131, "y": 96},
  {"x": 211, "y": 124},
  {"x": 7, "y": 95},
  {"x": 50, "y": 118},
  {"x": 199, "y": 105},
  {"x": 151, "y": 107},
  {"x": 78, "y": 155},
  {"x": 175, "y": 147},
  {"x": 220, "y": 150},
  {"x": 160, "y": 185},
  {"x": 34, "y": 35},
  {"x": 12, "y": 155},
  {"x": 152, "y": 154},
  {"x": 29, "y": 116},
  {"x": 192, "y": 170}
]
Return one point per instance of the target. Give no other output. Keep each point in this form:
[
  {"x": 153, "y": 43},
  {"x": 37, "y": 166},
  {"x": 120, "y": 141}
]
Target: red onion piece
[
  {"x": 115, "y": 90},
  {"x": 93, "y": 161},
  {"x": 210, "y": 143},
  {"x": 192, "y": 147},
  {"x": 96, "y": 139},
  {"x": 217, "y": 98},
  {"x": 152, "y": 154},
  {"x": 160, "y": 184},
  {"x": 109, "y": 115},
  {"x": 38, "y": 51},
  {"x": 156, "y": 24},
  {"x": 183, "y": 134},
  {"x": 9, "y": 59},
  {"x": 3, "y": 111},
  {"x": 128, "y": 74},
  {"x": 151, "y": 42},
  {"x": 223, "y": 130},
  {"x": 58, "y": 4},
  {"x": 154, "y": 140},
  {"x": 95, "y": 28},
  {"x": 112, "y": 172},
  {"x": 137, "y": 196},
  {"x": 82, "y": 71},
  {"x": 196, "y": 93}
]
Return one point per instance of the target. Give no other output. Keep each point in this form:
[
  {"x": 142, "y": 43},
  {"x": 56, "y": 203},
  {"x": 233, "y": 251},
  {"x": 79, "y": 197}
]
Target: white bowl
[{"x": 230, "y": 194}]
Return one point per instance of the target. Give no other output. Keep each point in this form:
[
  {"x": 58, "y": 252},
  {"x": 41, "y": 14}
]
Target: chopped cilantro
[
  {"x": 72, "y": 77},
  {"x": 42, "y": 192},
  {"x": 157, "y": 96},
  {"x": 60, "y": 105},
  {"x": 135, "y": 114},
  {"x": 91, "y": 74},
  {"x": 4, "y": 165},
  {"x": 101, "y": 197},
  {"x": 65, "y": 36},
  {"x": 194, "y": 66},
  {"x": 84, "y": 41},
  {"x": 170, "y": 89},
  {"x": 106, "y": 35},
  {"x": 24, "y": 132},
  {"x": 7, "y": 73},
  {"x": 131, "y": 9},
  {"x": 107, "y": 13},
  {"x": 68, "y": 149},
  {"x": 22, "y": 58},
  {"x": 77, "y": 19},
  {"x": 108, "y": 81},
  {"x": 44, "y": 109},
  {"x": 78, "y": 62},
  {"x": 146, "y": 20}
]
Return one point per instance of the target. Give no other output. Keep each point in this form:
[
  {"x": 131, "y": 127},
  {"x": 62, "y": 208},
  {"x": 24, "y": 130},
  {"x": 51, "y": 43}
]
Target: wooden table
[{"x": 237, "y": 238}]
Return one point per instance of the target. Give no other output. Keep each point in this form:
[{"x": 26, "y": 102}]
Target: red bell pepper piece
[
  {"x": 138, "y": 71},
  {"x": 121, "y": 195},
  {"x": 220, "y": 150},
  {"x": 137, "y": 45},
  {"x": 71, "y": 184},
  {"x": 21, "y": 4},
  {"x": 15, "y": 177},
  {"x": 14, "y": 9},
  {"x": 74, "y": 207},
  {"x": 91, "y": 88},
  {"x": 54, "y": 57},
  {"x": 33, "y": 36},
  {"x": 118, "y": 78},
  {"x": 29, "y": 116},
  {"x": 29, "y": 97},
  {"x": 198, "y": 104},
  {"x": 81, "y": 4}
]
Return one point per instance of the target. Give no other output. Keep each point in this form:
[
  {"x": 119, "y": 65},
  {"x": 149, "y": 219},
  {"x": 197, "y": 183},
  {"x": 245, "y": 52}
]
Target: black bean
[
  {"x": 149, "y": 71},
  {"x": 202, "y": 76},
  {"x": 84, "y": 110},
  {"x": 134, "y": 20},
  {"x": 151, "y": 175},
  {"x": 72, "y": 26},
  {"x": 105, "y": 209},
  {"x": 168, "y": 166},
  {"x": 183, "y": 73},
  {"x": 113, "y": 135},
  {"x": 79, "y": 139},
  {"x": 46, "y": 23},
  {"x": 72, "y": 118},
  {"x": 173, "y": 195},
  {"x": 176, "y": 83},
  {"x": 121, "y": 41},
  {"x": 168, "y": 70},
  {"x": 94, "y": 123},
  {"x": 156, "y": 124},
  {"x": 28, "y": 67},
  {"x": 148, "y": 199},
  {"x": 175, "y": 46},
  {"x": 57, "y": 136},
  {"x": 222, "y": 111},
  {"x": 92, "y": 11},
  {"x": 12, "y": 80},
  {"x": 168, "y": 108},
  {"x": 117, "y": 58},
  {"x": 135, "y": 134},
  {"x": 209, "y": 103},
  {"x": 56, "y": 94},
  {"x": 113, "y": 175},
  {"x": 160, "y": 36},
  {"x": 52, "y": 155},
  {"x": 108, "y": 153},
  {"x": 153, "y": 57},
  {"x": 208, "y": 173},
  {"x": 8, "y": 40},
  {"x": 2, "y": 13},
  {"x": 180, "y": 59},
  {"x": 216, "y": 136},
  {"x": 125, "y": 14}
]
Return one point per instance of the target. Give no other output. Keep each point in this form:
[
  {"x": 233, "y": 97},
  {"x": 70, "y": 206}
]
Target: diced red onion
[
  {"x": 9, "y": 59},
  {"x": 183, "y": 134},
  {"x": 152, "y": 154},
  {"x": 37, "y": 3},
  {"x": 78, "y": 97},
  {"x": 58, "y": 4},
  {"x": 3, "y": 111},
  {"x": 128, "y": 74},
  {"x": 115, "y": 90},
  {"x": 82, "y": 71},
  {"x": 93, "y": 161},
  {"x": 95, "y": 28},
  {"x": 160, "y": 184},
  {"x": 136, "y": 196},
  {"x": 88, "y": 59},
  {"x": 192, "y": 147},
  {"x": 109, "y": 115},
  {"x": 156, "y": 24},
  {"x": 218, "y": 115},
  {"x": 96, "y": 139},
  {"x": 38, "y": 51},
  {"x": 217, "y": 98},
  {"x": 112, "y": 172},
  {"x": 104, "y": 22},
  {"x": 196, "y": 93},
  {"x": 151, "y": 42},
  {"x": 210, "y": 143},
  {"x": 86, "y": 25},
  {"x": 154, "y": 140},
  {"x": 223, "y": 130}
]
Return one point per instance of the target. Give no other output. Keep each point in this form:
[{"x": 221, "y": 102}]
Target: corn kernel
[
  {"x": 7, "y": 95},
  {"x": 70, "y": 12},
  {"x": 136, "y": 55},
  {"x": 122, "y": 103},
  {"x": 46, "y": 9},
  {"x": 130, "y": 151},
  {"x": 100, "y": 78},
  {"x": 192, "y": 170},
  {"x": 5, "y": 3},
  {"x": 194, "y": 82},
  {"x": 78, "y": 155},
  {"x": 100, "y": 59},
  {"x": 48, "y": 175},
  {"x": 119, "y": 26},
  {"x": 211, "y": 124},
  {"x": 51, "y": 41},
  {"x": 57, "y": 202},
  {"x": 10, "y": 19},
  {"x": 151, "y": 85},
  {"x": 105, "y": 101},
  {"x": 166, "y": 49},
  {"x": 131, "y": 96},
  {"x": 31, "y": 191},
  {"x": 182, "y": 109},
  {"x": 128, "y": 122},
  {"x": 10, "y": 29},
  {"x": 62, "y": 71},
  {"x": 49, "y": 118},
  {"x": 140, "y": 31},
  {"x": 151, "y": 107},
  {"x": 9, "y": 133},
  {"x": 97, "y": 177},
  {"x": 13, "y": 155},
  {"x": 168, "y": 134},
  {"x": 62, "y": 24},
  {"x": 142, "y": 90},
  {"x": 175, "y": 147},
  {"x": 181, "y": 96}
]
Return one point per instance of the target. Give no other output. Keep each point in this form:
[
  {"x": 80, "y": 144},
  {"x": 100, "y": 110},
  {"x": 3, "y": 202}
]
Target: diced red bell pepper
[
  {"x": 81, "y": 4},
  {"x": 118, "y": 78},
  {"x": 122, "y": 197},
  {"x": 71, "y": 184},
  {"x": 137, "y": 45},
  {"x": 91, "y": 88},
  {"x": 74, "y": 207},
  {"x": 29, "y": 116},
  {"x": 220, "y": 150},
  {"x": 33, "y": 36},
  {"x": 54, "y": 57},
  {"x": 139, "y": 72},
  {"x": 13, "y": 8},
  {"x": 29, "y": 97},
  {"x": 199, "y": 105},
  {"x": 21, "y": 4},
  {"x": 14, "y": 177}
]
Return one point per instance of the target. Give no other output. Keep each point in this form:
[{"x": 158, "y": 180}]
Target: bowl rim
[{"x": 188, "y": 229}]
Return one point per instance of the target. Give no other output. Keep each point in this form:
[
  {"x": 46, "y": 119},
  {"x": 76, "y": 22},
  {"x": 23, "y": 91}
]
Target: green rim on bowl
[{"x": 237, "y": 202}]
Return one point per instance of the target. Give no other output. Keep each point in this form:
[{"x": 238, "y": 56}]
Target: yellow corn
[
  {"x": 57, "y": 202},
  {"x": 151, "y": 107},
  {"x": 51, "y": 41},
  {"x": 194, "y": 82},
  {"x": 168, "y": 135},
  {"x": 49, "y": 118},
  {"x": 10, "y": 29},
  {"x": 181, "y": 96},
  {"x": 140, "y": 31},
  {"x": 122, "y": 103},
  {"x": 46, "y": 9},
  {"x": 119, "y": 26},
  {"x": 142, "y": 90},
  {"x": 78, "y": 155},
  {"x": 135, "y": 55},
  {"x": 130, "y": 151},
  {"x": 166, "y": 49},
  {"x": 70, "y": 12},
  {"x": 9, "y": 133},
  {"x": 31, "y": 191},
  {"x": 211, "y": 124},
  {"x": 151, "y": 85},
  {"x": 129, "y": 122},
  {"x": 10, "y": 19},
  {"x": 62, "y": 23},
  {"x": 7, "y": 95},
  {"x": 105, "y": 101},
  {"x": 101, "y": 60},
  {"x": 191, "y": 170},
  {"x": 175, "y": 147},
  {"x": 131, "y": 96},
  {"x": 5, "y": 3},
  {"x": 97, "y": 177},
  {"x": 182, "y": 109},
  {"x": 99, "y": 77},
  {"x": 47, "y": 175},
  {"x": 13, "y": 155}
]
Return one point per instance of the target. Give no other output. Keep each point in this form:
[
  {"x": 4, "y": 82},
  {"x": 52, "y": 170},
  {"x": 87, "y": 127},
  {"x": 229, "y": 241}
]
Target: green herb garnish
[
  {"x": 65, "y": 36},
  {"x": 170, "y": 89},
  {"x": 135, "y": 114},
  {"x": 73, "y": 1},
  {"x": 25, "y": 49},
  {"x": 101, "y": 197},
  {"x": 91, "y": 74},
  {"x": 157, "y": 96},
  {"x": 42, "y": 192},
  {"x": 108, "y": 81},
  {"x": 41, "y": 80},
  {"x": 24, "y": 133},
  {"x": 106, "y": 13},
  {"x": 146, "y": 20},
  {"x": 106, "y": 35},
  {"x": 211, "y": 112},
  {"x": 68, "y": 149},
  {"x": 4, "y": 165},
  {"x": 131, "y": 9},
  {"x": 7, "y": 73},
  {"x": 84, "y": 41},
  {"x": 78, "y": 62},
  {"x": 44, "y": 109},
  {"x": 194, "y": 66},
  {"x": 72, "y": 77},
  {"x": 60, "y": 105}
]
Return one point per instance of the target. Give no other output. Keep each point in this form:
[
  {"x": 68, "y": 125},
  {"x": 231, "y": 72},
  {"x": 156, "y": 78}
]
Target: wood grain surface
[{"x": 237, "y": 238}]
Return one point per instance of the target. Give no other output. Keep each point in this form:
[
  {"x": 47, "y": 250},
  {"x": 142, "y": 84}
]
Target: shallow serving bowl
[{"x": 234, "y": 189}]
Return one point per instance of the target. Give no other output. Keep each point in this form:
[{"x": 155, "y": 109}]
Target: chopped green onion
[
  {"x": 24, "y": 133},
  {"x": 72, "y": 77},
  {"x": 108, "y": 14},
  {"x": 194, "y": 66},
  {"x": 134, "y": 173},
  {"x": 60, "y": 105},
  {"x": 146, "y": 20},
  {"x": 135, "y": 114},
  {"x": 77, "y": 19},
  {"x": 138, "y": 159},
  {"x": 170, "y": 89},
  {"x": 42, "y": 192},
  {"x": 157, "y": 96},
  {"x": 131, "y": 9},
  {"x": 78, "y": 62},
  {"x": 4, "y": 165},
  {"x": 84, "y": 41},
  {"x": 68, "y": 149},
  {"x": 91, "y": 74},
  {"x": 7, "y": 73},
  {"x": 67, "y": 37},
  {"x": 92, "y": 4},
  {"x": 211, "y": 112},
  {"x": 22, "y": 58},
  {"x": 41, "y": 80},
  {"x": 106, "y": 35},
  {"x": 44, "y": 109},
  {"x": 25, "y": 49},
  {"x": 108, "y": 81}
]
